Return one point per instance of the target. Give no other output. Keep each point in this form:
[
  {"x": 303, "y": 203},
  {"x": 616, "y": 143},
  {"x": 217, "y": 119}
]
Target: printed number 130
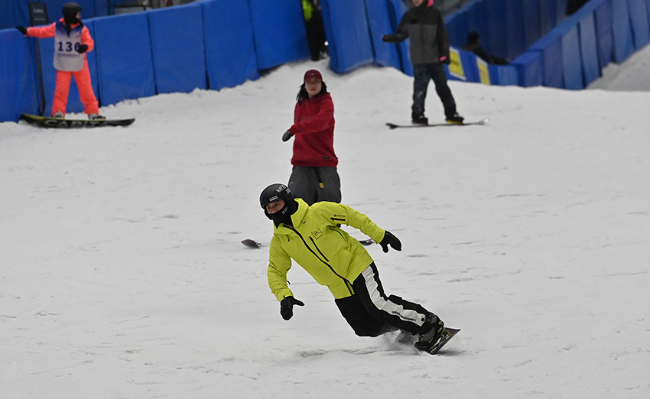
[{"x": 67, "y": 46}]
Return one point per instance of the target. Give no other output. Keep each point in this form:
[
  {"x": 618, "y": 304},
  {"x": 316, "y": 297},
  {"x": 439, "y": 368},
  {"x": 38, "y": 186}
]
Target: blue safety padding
[
  {"x": 17, "y": 83},
  {"x": 178, "y": 54},
  {"x": 515, "y": 26},
  {"x": 622, "y": 31},
  {"x": 503, "y": 75},
  {"x": 532, "y": 21},
  {"x": 548, "y": 15},
  {"x": 348, "y": 35},
  {"x": 589, "y": 48},
  {"x": 550, "y": 48},
  {"x": 124, "y": 59},
  {"x": 476, "y": 21},
  {"x": 229, "y": 43},
  {"x": 397, "y": 8},
  {"x": 470, "y": 67},
  {"x": 496, "y": 40},
  {"x": 457, "y": 28},
  {"x": 529, "y": 69},
  {"x": 46, "y": 47},
  {"x": 571, "y": 61},
  {"x": 604, "y": 34},
  {"x": 279, "y": 32},
  {"x": 379, "y": 21},
  {"x": 639, "y": 21}
]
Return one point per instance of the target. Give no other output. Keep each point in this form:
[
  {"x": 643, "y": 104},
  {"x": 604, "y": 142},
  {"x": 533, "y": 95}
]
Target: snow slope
[{"x": 122, "y": 275}]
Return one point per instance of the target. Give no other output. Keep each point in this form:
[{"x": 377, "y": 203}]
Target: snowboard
[
  {"x": 481, "y": 122},
  {"x": 254, "y": 244},
  {"x": 447, "y": 334},
  {"x": 61, "y": 123}
]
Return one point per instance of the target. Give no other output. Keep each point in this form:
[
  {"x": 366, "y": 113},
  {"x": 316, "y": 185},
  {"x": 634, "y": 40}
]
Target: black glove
[
  {"x": 22, "y": 29},
  {"x": 390, "y": 239},
  {"x": 286, "y": 306},
  {"x": 388, "y": 38},
  {"x": 286, "y": 136},
  {"x": 82, "y": 48}
]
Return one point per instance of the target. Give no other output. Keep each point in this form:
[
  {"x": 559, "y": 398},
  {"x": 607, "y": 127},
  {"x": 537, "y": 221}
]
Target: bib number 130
[{"x": 67, "y": 47}]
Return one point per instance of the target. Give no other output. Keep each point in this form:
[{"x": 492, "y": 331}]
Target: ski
[
  {"x": 252, "y": 243},
  {"x": 481, "y": 122},
  {"x": 61, "y": 123},
  {"x": 447, "y": 334}
]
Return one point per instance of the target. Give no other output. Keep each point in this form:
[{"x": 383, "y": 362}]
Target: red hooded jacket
[{"x": 313, "y": 131}]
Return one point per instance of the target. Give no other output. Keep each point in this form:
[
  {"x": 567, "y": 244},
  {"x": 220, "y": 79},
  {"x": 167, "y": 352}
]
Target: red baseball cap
[{"x": 313, "y": 74}]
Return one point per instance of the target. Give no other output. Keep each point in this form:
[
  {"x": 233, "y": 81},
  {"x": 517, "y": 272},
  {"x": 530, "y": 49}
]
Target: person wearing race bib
[{"x": 72, "y": 41}]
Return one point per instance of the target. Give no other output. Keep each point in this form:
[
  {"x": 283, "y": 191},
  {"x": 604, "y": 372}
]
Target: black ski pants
[
  {"x": 371, "y": 313},
  {"x": 315, "y": 184},
  {"x": 436, "y": 72}
]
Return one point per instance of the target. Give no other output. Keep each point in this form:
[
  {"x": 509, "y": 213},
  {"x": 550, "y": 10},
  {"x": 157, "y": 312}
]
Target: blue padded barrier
[
  {"x": 571, "y": 61},
  {"x": 622, "y": 31},
  {"x": 529, "y": 69},
  {"x": 380, "y": 24},
  {"x": 396, "y": 9},
  {"x": 604, "y": 33},
  {"x": 532, "y": 21},
  {"x": 348, "y": 34},
  {"x": 124, "y": 59},
  {"x": 515, "y": 26},
  {"x": 589, "y": 48},
  {"x": 548, "y": 15},
  {"x": 17, "y": 85},
  {"x": 496, "y": 41},
  {"x": 550, "y": 48},
  {"x": 229, "y": 43},
  {"x": 639, "y": 21},
  {"x": 49, "y": 73},
  {"x": 178, "y": 54},
  {"x": 457, "y": 28},
  {"x": 503, "y": 75},
  {"x": 279, "y": 32},
  {"x": 476, "y": 20}
]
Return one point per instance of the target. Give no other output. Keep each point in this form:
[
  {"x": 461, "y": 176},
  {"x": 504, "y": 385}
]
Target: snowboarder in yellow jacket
[{"x": 311, "y": 235}]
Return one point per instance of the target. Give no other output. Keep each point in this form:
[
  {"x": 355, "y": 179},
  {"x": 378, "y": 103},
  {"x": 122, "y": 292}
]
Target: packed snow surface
[{"x": 122, "y": 274}]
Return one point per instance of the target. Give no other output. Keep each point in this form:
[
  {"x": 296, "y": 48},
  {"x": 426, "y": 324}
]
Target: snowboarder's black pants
[
  {"x": 436, "y": 72},
  {"x": 315, "y": 184},
  {"x": 371, "y": 313}
]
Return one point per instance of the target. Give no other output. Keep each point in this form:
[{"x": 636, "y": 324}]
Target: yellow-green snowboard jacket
[{"x": 332, "y": 257}]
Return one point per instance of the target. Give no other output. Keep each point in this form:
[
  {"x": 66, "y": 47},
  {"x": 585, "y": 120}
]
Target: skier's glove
[
  {"x": 390, "y": 239},
  {"x": 286, "y": 306},
  {"x": 445, "y": 59},
  {"x": 286, "y": 136},
  {"x": 22, "y": 29},
  {"x": 82, "y": 48}
]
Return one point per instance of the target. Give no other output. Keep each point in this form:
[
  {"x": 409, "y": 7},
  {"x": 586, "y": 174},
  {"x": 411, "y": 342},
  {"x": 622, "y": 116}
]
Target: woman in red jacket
[
  {"x": 71, "y": 41},
  {"x": 314, "y": 177}
]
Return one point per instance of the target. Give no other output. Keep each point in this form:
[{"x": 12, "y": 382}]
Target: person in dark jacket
[
  {"x": 314, "y": 177},
  {"x": 423, "y": 24},
  {"x": 474, "y": 45}
]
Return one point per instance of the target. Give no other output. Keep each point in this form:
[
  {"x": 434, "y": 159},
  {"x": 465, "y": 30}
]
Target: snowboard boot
[
  {"x": 455, "y": 118},
  {"x": 419, "y": 119},
  {"x": 96, "y": 117},
  {"x": 432, "y": 332},
  {"x": 58, "y": 114}
]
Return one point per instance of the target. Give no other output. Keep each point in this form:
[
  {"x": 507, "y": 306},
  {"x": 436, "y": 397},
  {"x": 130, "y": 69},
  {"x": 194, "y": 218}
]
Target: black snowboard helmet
[
  {"x": 70, "y": 11},
  {"x": 276, "y": 192}
]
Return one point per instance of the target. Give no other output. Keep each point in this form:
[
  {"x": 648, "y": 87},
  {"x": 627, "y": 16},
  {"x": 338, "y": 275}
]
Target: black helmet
[
  {"x": 273, "y": 193},
  {"x": 276, "y": 192},
  {"x": 70, "y": 11}
]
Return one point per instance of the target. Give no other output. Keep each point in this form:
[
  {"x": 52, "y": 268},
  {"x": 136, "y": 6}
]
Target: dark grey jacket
[{"x": 426, "y": 29}]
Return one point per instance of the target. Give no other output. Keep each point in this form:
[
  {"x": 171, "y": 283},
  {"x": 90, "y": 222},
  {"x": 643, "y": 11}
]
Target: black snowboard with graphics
[{"x": 61, "y": 123}]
